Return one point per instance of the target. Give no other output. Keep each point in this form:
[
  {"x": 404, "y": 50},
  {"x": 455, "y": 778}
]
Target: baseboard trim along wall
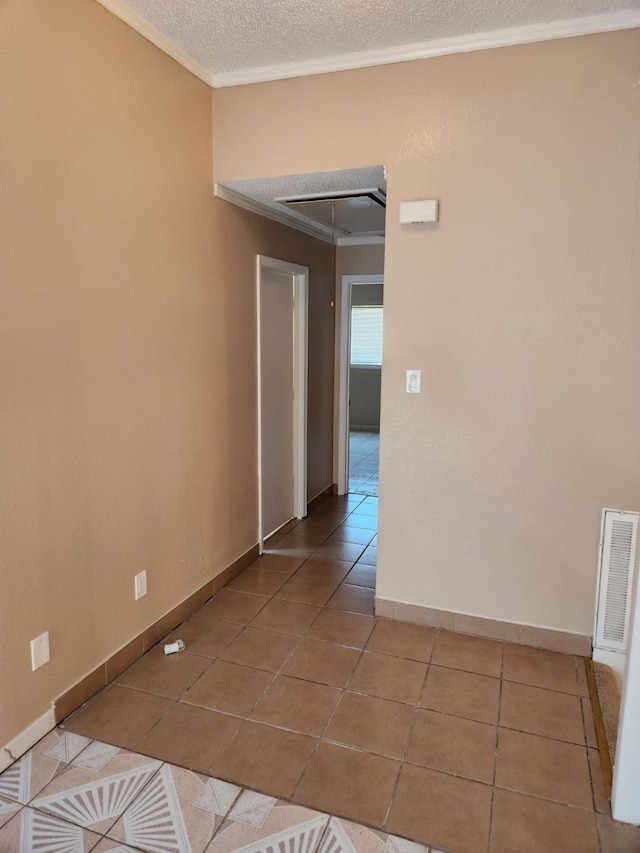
[
  {"x": 494, "y": 629},
  {"x": 88, "y": 686},
  {"x": 34, "y": 732},
  {"x": 320, "y": 498}
]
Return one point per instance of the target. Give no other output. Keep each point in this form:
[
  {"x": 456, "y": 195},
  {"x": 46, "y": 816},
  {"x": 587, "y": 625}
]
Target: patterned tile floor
[
  {"x": 291, "y": 688},
  {"x": 364, "y": 451},
  {"x": 70, "y": 794}
]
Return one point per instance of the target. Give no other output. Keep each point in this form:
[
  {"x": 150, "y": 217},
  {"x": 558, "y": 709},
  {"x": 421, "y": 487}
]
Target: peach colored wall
[
  {"x": 521, "y": 307},
  {"x": 127, "y": 345}
]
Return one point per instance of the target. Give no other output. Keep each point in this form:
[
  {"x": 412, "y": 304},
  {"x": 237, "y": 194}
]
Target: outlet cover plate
[
  {"x": 140, "y": 585},
  {"x": 39, "y": 651}
]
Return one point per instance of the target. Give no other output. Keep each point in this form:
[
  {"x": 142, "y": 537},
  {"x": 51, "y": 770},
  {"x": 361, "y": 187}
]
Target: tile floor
[
  {"x": 364, "y": 451},
  {"x": 71, "y": 794},
  {"x": 290, "y": 687}
]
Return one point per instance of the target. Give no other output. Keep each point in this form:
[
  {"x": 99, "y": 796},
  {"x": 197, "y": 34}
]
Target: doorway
[
  {"x": 360, "y": 367},
  {"x": 282, "y": 297}
]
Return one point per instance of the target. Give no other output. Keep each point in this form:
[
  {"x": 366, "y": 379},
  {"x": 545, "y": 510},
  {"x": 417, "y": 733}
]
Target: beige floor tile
[
  {"x": 354, "y": 599},
  {"x": 28, "y": 775},
  {"x": 541, "y": 668},
  {"x": 260, "y": 822},
  {"x": 530, "y": 825},
  {"x": 326, "y": 663},
  {"x": 261, "y": 649},
  {"x": 229, "y": 687},
  {"x": 389, "y": 677},
  {"x": 97, "y": 787},
  {"x": 287, "y": 617},
  {"x": 118, "y": 715},
  {"x": 376, "y": 725},
  {"x": 463, "y": 694},
  {"x": 344, "y": 835},
  {"x": 8, "y": 810},
  {"x": 189, "y": 736},
  {"x": 166, "y": 675},
  {"x": 265, "y": 759},
  {"x": 26, "y": 830},
  {"x": 258, "y": 581},
  {"x": 178, "y": 810},
  {"x": 301, "y": 706},
  {"x": 348, "y": 783},
  {"x": 345, "y": 629},
  {"x": 308, "y": 590},
  {"x": 544, "y": 768},
  {"x": 207, "y": 637},
  {"x": 453, "y": 745},
  {"x": 473, "y": 654},
  {"x": 402, "y": 640},
  {"x": 230, "y": 606},
  {"x": 441, "y": 810},
  {"x": 618, "y": 837},
  {"x": 541, "y": 712}
]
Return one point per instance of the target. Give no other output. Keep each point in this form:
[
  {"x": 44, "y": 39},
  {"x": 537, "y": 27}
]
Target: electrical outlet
[
  {"x": 39, "y": 651},
  {"x": 140, "y": 585}
]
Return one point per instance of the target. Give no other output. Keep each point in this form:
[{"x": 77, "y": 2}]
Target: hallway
[{"x": 291, "y": 688}]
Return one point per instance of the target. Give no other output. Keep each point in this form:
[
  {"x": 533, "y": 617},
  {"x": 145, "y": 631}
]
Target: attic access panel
[{"x": 348, "y": 212}]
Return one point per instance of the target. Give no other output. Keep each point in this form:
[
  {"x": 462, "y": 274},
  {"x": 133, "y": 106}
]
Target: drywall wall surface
[
  {"x": 519, "y": 306},
  {"x": 364, "y": 397},
  {"x": 127, "y": 345}
]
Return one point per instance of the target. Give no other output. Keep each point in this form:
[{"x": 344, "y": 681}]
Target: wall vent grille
[{"x": 615, "y": 577}]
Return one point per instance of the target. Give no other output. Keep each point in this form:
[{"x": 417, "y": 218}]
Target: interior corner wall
[
  {"x": 520, "y": 306},
  {"x": 127, "y": 345}
]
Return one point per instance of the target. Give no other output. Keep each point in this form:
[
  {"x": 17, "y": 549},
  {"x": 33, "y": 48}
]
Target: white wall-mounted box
[{"x": 419, "y": 212}]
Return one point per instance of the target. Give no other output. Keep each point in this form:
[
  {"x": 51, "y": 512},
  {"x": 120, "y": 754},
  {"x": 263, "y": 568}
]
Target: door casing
[{"x": 300, "y": 276}]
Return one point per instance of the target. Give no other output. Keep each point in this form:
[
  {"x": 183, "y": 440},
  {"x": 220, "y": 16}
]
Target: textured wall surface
[
  {"x": 521, "y": 307},
  {"x": 127, "y": 345}
]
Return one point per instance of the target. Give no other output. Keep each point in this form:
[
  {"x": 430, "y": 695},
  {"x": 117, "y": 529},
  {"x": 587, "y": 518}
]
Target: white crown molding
[
  {"x": 360, "y": 240},
  {"x": 283, "y": 218},
  {"x": 121, "y": 10},
  {"x": 437, "y": 47}
]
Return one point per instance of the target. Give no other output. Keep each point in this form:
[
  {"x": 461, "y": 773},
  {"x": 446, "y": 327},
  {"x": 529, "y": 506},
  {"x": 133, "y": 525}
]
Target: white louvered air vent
[{"x": 615, "y": 576}]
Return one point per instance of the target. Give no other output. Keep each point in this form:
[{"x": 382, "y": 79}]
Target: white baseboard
[{"x": 27, "y": 738}]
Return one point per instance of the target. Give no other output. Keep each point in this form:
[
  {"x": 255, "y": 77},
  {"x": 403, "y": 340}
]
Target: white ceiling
[
  {"x": 227, "y": 42},
  {"x": 350, "y": 226}
]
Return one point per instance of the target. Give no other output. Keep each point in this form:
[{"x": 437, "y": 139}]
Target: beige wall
[
  {"x": 520, "y": 306},
  {"x": 127, "y": 345}
]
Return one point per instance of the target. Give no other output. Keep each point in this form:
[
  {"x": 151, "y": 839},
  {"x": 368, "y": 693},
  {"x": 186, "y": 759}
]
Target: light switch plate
[{"x": 414, "y": 381}]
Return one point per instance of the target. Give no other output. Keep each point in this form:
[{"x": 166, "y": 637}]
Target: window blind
[{"x": 366, "y": 335}]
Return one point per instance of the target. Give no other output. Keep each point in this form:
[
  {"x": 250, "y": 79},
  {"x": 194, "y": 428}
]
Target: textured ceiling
[
  {"x": 263, "y": 192},
  {"x": 230, "y": 36}
]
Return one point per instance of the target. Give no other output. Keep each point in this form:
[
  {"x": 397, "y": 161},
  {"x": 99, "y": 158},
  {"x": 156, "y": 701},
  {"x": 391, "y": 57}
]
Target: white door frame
[
  {"x": 625, "y": 805},
  {"x": 300, "y": 334},
  {"x": 344, "y": 350}
]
